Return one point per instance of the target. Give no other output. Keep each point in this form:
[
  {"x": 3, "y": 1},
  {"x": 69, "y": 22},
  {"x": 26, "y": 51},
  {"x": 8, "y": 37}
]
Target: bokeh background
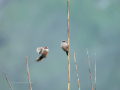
[{"x": 28, "y": 24}]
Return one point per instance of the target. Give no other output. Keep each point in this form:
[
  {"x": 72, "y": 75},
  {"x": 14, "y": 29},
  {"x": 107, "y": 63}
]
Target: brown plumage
[{"x": 43, "y": 52}]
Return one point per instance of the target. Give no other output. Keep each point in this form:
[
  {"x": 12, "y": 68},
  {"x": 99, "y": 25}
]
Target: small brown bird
[
  {"x": 64, "y": 46},
  {"x": 43, "y": 52}
]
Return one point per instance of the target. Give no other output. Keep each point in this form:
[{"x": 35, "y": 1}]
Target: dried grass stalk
[
  {"x": 28, "y": 74},
  {"x": 95, "y": 69},
  {"x": 68, "y": 44},
  {"x": 8, "y": 81},
  {"x": 89, "y": 69},
  {"x": 76, "y": 70}
]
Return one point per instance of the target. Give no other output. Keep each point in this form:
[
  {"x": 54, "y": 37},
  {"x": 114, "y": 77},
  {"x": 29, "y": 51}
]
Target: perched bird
[
  {"x": 64, "y": 46},
  {"x": 43, "y": 52}
]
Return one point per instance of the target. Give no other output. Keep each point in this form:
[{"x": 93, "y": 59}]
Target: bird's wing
[{"x": 40, "y": 50}]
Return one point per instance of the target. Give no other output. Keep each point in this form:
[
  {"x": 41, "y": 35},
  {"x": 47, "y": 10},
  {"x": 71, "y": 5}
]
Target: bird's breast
[
  {"x": 45, "y": 53},
  {"x": 64, "y": 47}
]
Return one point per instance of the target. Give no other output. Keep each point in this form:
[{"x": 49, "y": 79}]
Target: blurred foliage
[{"x": 27, "y": 24}]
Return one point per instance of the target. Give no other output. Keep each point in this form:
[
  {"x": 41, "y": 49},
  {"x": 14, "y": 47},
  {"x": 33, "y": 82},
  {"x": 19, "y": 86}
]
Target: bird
[
  {"x": 64, "y": 46},
  {"x": 43, "y": 52}
]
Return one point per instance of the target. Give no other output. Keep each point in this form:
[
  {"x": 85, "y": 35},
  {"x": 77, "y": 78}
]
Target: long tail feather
[
  {"x": 39, "y": 59},
  {"x": 67, "y": 53}
]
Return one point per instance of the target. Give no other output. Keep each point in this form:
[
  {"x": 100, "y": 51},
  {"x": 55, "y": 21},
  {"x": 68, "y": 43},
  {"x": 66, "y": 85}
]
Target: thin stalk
[
  {"x": 89, "y": 69},
  {"x": 8, "y": 81},
  {"x": 68, "y": 44},
  {"x": 95, "y": 69},
  {"x": 28, "y": 74},
  {"x": 76, "y": 70}
]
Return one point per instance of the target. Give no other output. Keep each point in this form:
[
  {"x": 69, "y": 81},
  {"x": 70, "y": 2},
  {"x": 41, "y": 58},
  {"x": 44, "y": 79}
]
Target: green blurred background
[{"x": 28, "y": 24}]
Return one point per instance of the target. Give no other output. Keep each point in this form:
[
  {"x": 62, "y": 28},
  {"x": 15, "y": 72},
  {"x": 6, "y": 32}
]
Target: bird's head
[
  {"x": 46, "y": 48},
  {"x": 63, "y": 41}
]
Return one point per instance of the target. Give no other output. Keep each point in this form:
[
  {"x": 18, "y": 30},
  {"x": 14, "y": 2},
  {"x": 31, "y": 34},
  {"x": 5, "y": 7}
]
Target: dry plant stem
[
  {"x": 7, "y": 81},
  {"x": 28, "y": 74},
  {"x": 95, "y": 70},
  {"x": 76, "y": 70},
  {"x": 68, "y": 44},
  {"x": 89, "y": 69}
]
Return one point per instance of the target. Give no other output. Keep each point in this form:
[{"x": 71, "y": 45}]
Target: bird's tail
[
  {"x": 67, "y": 53},
  {"x": 39, "y": 59}
]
